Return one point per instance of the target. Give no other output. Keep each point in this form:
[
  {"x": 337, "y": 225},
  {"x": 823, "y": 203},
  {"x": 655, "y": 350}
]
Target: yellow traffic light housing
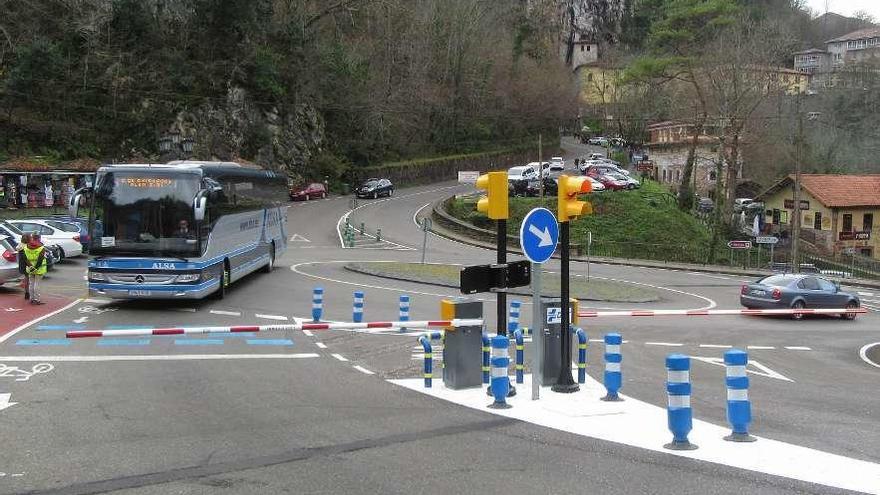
[
  {"x": 569, "y": 207},
  {"x": 494, "y": 204}
]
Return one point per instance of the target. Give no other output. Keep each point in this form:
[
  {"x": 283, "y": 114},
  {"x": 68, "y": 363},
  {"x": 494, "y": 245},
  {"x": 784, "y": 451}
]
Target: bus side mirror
[
  {"x": 76, "y": 201},
  {"x": 199, "y": 206}
]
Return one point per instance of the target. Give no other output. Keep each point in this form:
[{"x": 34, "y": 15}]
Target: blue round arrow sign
[{"x": 538, "y": 235}]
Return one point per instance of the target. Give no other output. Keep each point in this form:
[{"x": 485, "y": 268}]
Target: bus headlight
[
  {"x": 97, "y": 276},
  {"x": 188, "y": 277}
]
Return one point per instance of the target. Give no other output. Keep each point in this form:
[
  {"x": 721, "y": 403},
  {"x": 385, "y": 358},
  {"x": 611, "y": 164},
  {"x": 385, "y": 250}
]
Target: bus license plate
[{"x": 135, "y": 292}]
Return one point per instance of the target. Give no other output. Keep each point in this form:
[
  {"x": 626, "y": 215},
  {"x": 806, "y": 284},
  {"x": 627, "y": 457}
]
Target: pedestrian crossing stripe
[{"x": 298, "y": 238}]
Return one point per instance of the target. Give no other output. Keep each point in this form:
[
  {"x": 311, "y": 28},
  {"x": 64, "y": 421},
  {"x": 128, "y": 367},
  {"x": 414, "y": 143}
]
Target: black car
[
  {"x": 551, "y": 187},
  {"x": 373, "y": 188}
]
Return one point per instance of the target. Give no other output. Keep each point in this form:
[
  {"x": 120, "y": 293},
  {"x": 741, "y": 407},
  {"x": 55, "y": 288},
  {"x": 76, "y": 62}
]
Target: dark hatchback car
[
  {"x": 373, "y": 188},
  {"x": 797, "y": 291}
]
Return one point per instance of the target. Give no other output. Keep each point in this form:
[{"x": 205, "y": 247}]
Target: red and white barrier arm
[
  {"x": 722, "y": 312},
  {"x": 268, "y": 328}
]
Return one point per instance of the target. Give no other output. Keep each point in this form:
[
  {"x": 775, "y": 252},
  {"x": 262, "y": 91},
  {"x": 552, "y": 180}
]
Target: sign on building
[
  {"x": 468, "y": 176},
  {"x": 788, "y": 204}
]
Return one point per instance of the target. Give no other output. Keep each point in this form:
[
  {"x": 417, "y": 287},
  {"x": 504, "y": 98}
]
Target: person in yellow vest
[
  {"x": 22, "y": 264},
  {"x": 35, "y": 255}
]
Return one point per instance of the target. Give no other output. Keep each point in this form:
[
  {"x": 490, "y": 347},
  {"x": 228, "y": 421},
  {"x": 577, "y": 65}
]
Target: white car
[
  {"x": 545, "y": 168},
  {"x": 631, "y": 183},
  {"x": 557, "y": 164},
  {"x": 68, "y": 242},
  {"x": 521, "y": 172},
  {"x": 597, "y": 186}
]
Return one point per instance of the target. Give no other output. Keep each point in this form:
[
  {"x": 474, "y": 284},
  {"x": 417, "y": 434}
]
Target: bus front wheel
[
  {"x": 224, "y": 283},
  {"x": 269, "y": 266}
]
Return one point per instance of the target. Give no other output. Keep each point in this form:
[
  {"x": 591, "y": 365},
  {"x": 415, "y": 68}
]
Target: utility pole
[
  {"x": 540, "y": 171},
  {"x": 796, "y": 221}
]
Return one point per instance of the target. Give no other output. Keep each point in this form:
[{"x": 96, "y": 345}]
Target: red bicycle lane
[{"x": 16, "y": 312}]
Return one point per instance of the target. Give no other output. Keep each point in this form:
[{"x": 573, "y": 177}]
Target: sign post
[
  {"x": 767, "y": 239},
  {"x": 426, "y": 226},
  {"x": 538, "y": 236}
]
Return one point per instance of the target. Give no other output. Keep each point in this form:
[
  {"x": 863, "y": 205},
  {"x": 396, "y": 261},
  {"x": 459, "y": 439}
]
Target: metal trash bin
[{"x": 462, "y": 351}]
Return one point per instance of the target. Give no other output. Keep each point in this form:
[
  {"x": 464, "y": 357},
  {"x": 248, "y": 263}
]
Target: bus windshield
[{"x": 146, "y": 214}]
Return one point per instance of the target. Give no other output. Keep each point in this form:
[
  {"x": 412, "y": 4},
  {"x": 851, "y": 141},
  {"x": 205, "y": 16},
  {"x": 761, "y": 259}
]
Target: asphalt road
[{"x": 313, "y": 413}]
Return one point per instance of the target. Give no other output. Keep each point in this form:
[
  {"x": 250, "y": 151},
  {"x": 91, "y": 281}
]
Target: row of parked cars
[
  {"x": 63, "y": 237},
  {"x": 370, "y": 188},
  {"x": 604, "y": 174}
]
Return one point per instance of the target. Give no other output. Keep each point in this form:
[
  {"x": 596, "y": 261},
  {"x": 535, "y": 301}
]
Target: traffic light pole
[
  {"x": 565, "y": 383},
  {"x": 501, "y": 295}
]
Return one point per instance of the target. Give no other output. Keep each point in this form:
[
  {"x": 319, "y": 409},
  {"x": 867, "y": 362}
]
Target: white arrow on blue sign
[{"x": 538, "y": 235}]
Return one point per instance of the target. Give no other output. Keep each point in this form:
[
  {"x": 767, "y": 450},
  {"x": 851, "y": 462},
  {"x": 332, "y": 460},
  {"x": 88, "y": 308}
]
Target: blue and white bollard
[
  {"x": 425, "y": 339},
  {"x": 513, "y": 317},
  {"x": 613, "y": 374},
  {"x": 404, "y": 311},
  {"x": 739, "y": 409},
  {"x": 500, "y": 384},
  {"x": 679, "y": 414},
  {"x": 582, "y": 354},
  {"x": 486, "y": 347},
  {"x": 358, "y": 307},
  {"x": 317, "y": 304}
]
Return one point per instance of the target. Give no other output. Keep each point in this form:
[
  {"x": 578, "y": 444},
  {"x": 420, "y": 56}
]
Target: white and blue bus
[{"x": 182, "y": 230}]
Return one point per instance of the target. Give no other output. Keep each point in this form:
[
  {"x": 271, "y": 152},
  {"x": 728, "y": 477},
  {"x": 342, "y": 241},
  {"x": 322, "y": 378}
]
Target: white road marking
[
  {"x": 5, "y": 401},
  {"x": 308, "y": 333},
  {"x": 4, "y": 338},
  {"x": 321, "y": 345},
  {"x": 340, "y": 357},
  {"x": 298, "y": 238},
  {"x": 639, "y": 424},
  {"x": 798, "y": 348},
  {"x": 184, "y": 310},
  {"x": 868, "y": 294},
  {"x": 761, "y": 369},
  {"x": 155, "y": 357},
  {"x": 271, "y": 317},
  {"x": 363, "y": 370},
  {"x": 761, "y": 347},
  {"x": 863, "y": 353},
  {"x": 716, "y": 346},
  {"x": 97, "y": 301},
  {"x": 666, "y": 344},
  {"x": 224, "y": 313},
  {"x": 81, "y": 319}
]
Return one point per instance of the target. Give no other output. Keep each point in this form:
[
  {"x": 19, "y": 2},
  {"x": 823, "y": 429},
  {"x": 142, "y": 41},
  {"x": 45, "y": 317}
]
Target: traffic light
[
  {"x": 569, "y": 207},
  {"x": 494, "y": 205}
]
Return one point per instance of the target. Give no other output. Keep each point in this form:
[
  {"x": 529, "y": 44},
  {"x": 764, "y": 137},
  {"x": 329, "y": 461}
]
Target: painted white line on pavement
[
  {"x": 363, "y": 370},
  {"x": 665, "y": 344},
  {"x": 308, "y": 333},
  {"x": 715, "y": 346},
  {"x": 798, "y": 348},
  {"x": 271, "y": 317},
  {"x": 14, "y": 331},
  {"x": 340, "y": 357},
  {"x": 761, "y": 347},
  {"x": 868, "y": 294},
  {"x": 639, "y": 424},
  {"x": 863, "y": 353},
  {"x": 97, "y": 301},
  {"x": 184, "y": 310},
  {"x": 155, "y": 357},
  {"x": 224, "y": 313},
  {"x": 321, "y": 345}
]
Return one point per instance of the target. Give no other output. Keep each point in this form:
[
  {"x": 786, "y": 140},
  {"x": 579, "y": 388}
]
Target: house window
[
  {"x": 589, "y": 77},
  {"x": 712, "y": 176},
  {"x": 817, "y": 220},
  {"x": 868, "y": 222},
  {"x": 847, "y": 222},
  {"x": 588, "y": 47},
  {"x": 582, "y": 47}
]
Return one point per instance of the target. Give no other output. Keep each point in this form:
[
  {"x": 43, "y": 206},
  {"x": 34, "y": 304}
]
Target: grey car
[
  {"x": 8, "y": 261},
  {"x": 797, "y": 291}
]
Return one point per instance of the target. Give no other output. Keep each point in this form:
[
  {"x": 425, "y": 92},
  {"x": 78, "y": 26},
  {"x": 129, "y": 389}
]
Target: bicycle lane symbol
[{"x": 23, "y": 374}]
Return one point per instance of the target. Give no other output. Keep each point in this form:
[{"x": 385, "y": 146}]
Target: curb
[{"x": 443, "y": 218}]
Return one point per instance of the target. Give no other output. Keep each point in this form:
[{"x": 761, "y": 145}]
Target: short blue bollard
[
  {"x": 679, "y": 414},
  {"x": 485, "y": 348},
  {"x": 317, "y": 304},
  {"x": 425, "y": 339},
  {"x": 739, "y": 409},
  {"x": 520, "y": 355},
  {"x": 513, "y": 317},
  {"x": 582, "y": 354},
  {"x": 500, "y": 384},
  {"x": 404, "y": 311},
  {"x": 613, "y": 374},
  {"x": 358, "y": 307}
]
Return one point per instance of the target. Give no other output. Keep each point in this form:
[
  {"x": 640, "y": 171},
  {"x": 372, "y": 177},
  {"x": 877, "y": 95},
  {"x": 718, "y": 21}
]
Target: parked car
[
  {"x": 8, "y": 260},
  {"x": 557, "y": 164},
  {"x": 14, "y": 233},
  {"x": 522, "y": 172},
  {"x": 611, "y": 183},
  {"x": 309, "y": 191},
  {"x": 551, "y": 187},
  {"x": 595, "y": 169},
  {"x": 739, "y": 204},
  {"x": 545, "y": 168},
  {"x": 373, "y": 188},
  {"x": 705, "y": 205},
  {"x": 631, "y": 183},
  {"x": 83, "y": 223},
  {"x": 597, "y": 156},
  {"x": 67, "y": 241},
  {"x": 598, "y": 141},
  {"x": 618, "y": 142},
  {"x": 797, "y": 291},
  {"x": 518, "y": 187}
]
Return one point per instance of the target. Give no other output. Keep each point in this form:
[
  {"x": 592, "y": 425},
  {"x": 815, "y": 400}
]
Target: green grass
[{"x": 596, "y": 289}]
